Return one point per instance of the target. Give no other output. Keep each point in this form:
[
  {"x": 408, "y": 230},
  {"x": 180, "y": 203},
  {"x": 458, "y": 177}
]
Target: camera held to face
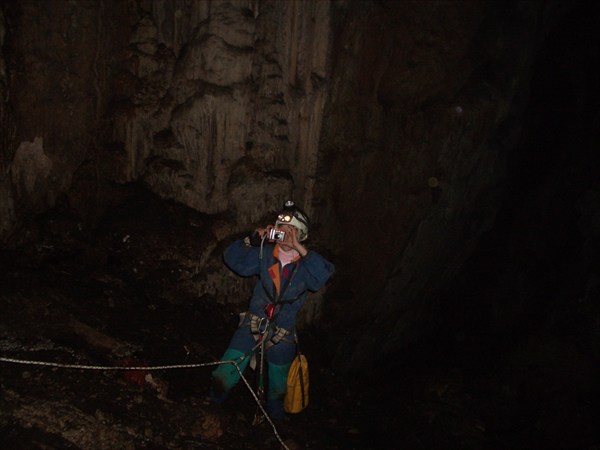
[{"x": 276, "y": 235}]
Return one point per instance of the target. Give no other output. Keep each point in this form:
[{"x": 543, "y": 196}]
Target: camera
[{"x": 276, "y": 235}]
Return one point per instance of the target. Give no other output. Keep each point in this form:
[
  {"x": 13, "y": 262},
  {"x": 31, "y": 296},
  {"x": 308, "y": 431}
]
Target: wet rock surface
[{"x": 124, "y": 295}]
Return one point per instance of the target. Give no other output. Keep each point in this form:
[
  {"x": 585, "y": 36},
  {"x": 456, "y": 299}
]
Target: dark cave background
[
  {"x": 502, "y": 353},
  {"x": 540, "y": 257}
]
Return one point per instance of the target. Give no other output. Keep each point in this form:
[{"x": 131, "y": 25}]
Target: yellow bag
[{"x": 296, "y": 396}]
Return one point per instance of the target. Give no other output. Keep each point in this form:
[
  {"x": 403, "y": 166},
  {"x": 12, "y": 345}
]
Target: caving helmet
[{"x": 294, "y": 217}]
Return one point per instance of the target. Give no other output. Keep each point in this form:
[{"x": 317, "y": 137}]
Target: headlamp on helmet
[{"x": 294, "y": 217}]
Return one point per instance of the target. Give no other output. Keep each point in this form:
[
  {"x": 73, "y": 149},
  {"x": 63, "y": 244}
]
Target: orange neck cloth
[{"x": 274, "y": 271}]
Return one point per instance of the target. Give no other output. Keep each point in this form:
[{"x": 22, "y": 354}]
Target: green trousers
[{"x": 226, "y": 376}]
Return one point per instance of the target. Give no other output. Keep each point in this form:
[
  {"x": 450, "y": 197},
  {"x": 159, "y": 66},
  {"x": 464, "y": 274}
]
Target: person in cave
[{"x": 287, "y": 270}]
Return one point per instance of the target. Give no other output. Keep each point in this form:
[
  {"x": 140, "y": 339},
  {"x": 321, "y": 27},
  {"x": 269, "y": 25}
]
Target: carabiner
[{"x": 260, "y": 329}]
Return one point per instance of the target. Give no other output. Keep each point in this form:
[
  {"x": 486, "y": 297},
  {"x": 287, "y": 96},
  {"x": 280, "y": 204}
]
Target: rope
[
  {"x": 165, "y": 367},
  {"x": 260, "y": 391},
  {"x": 88, "y": 367},
  {"x": 262, "y": 243}
]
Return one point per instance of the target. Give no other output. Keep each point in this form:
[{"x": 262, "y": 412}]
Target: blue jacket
[{"x": 312, "y": 272}]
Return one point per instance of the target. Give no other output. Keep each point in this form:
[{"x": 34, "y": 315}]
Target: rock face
[
  {"x": 389, "y": 122},
  {"x": 233, "y": 118},
  {"x": 215, "y": 104},
  {"x": 7, "y": 219},
  {"x": 51, "y": 114},
  {"x": 418, "y": 125}
]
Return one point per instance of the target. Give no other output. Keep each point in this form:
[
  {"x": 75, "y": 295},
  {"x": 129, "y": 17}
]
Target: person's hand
[
  {"x": 291, "y": 240},
  {"x": 264, "y": 232}
]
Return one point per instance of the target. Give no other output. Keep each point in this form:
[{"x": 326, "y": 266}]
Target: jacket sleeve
[
  {"x": 241, "y": 259},
  {"x": 318, "y": 270}
]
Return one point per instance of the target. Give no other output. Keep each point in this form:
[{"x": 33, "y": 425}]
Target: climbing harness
[
  {"x": 262, "y": 328},
  {"x": 267, "y": 334}
]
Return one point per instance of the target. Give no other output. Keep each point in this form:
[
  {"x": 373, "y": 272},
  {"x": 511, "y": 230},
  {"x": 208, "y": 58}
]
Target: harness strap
[
  {"x": 277, "y": 336},
  {"x": 299, "y": 356},
  {"x": 262, "y": 328},
  {"x": 274, "y": 298}
]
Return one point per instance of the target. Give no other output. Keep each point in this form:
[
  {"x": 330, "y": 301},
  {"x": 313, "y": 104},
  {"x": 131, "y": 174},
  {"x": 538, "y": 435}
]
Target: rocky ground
[{"x": 123, "y": 295}]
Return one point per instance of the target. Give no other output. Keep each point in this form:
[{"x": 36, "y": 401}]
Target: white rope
[
  {"x": 166, "y": 367},
  {"x": 88, "y": 367},
  {"x": 262, "y": 243}
]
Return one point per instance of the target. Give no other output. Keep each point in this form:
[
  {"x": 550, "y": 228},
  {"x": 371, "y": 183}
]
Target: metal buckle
[{"x": 263, "y": 321}]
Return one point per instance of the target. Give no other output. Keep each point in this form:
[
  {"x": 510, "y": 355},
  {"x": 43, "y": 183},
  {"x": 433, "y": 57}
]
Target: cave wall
[
  {"x": 537, "y": 272},
  {"x": 55, "y": 85},
  {"x": 6, "y": 202},
  {"x": 389, "y": 122},
  {"x": 226, "y": 109},
  {"x": 214, "y": 104},
  {"x": 418, "y": 132}
]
